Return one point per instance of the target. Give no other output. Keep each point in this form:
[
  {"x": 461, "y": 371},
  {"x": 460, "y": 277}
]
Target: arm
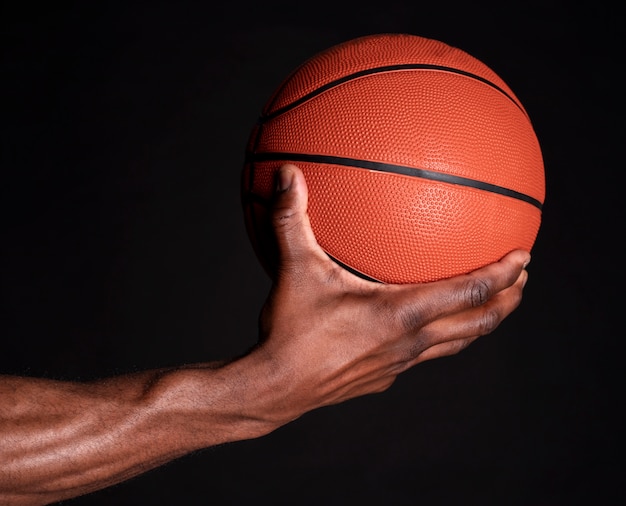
[
  {"x": 64, "y": 439},
  {"x": 325, "y": 336}
]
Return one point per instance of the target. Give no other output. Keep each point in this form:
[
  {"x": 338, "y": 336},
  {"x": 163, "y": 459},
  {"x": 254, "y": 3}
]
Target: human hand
[{"x": 327, "y": 335}]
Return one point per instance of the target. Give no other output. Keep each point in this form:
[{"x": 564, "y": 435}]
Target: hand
[
  {"x": 328, "y": 335},
  {"x": 325, "y": 336}
]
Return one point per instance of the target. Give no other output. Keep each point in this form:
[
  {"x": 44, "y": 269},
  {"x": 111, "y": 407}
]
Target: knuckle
[
  {"x": 418, "y": 345},
  {"x": 284, "y": 217},
  {"x": 411, "y": 319},
  {"x": 459, "y": 345},
  {"x": 489, "y": 321},
  {"x": 407, "y": 317},
  {"x": 405, "y": 327},
  {"x": 477, "y": 291}
]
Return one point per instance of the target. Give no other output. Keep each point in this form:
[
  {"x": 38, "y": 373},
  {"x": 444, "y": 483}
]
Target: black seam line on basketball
[
  {"x": 352, "y": 270},
  {"x": 396, "y": 169},
  {"x": 380, "y": 70}
]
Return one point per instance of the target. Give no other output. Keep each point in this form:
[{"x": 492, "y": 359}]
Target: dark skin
[{"x": 325, "y": 336}]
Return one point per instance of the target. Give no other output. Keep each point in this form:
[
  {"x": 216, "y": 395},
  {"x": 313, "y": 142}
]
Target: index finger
[{"x": 427, "y": 302}]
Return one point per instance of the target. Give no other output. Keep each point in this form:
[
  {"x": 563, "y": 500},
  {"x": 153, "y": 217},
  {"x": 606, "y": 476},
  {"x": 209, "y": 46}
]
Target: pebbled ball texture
[{"x": 392, "y": 101}]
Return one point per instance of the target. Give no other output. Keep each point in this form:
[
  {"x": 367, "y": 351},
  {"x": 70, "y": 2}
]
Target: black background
[{"x": 123, "y": 246}]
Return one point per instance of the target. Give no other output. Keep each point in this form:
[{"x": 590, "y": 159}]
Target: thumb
[{"x": 290, "y": 221}]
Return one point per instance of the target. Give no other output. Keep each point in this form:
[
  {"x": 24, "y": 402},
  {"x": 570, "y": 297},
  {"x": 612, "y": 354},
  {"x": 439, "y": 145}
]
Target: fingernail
[
  {"x": 525, "y": 280},
  {"x": 526, "y": 263},
  {"x": 284, "y": 179}
]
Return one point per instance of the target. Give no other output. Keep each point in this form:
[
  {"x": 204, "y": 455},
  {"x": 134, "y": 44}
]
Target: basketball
[{"x": 421, "y": 162}]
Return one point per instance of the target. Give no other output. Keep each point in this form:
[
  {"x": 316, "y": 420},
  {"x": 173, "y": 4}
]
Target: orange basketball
[{"x": 421, "y": 162}]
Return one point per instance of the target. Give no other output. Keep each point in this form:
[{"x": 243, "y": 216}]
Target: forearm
[{"x": 61, "y": 439}]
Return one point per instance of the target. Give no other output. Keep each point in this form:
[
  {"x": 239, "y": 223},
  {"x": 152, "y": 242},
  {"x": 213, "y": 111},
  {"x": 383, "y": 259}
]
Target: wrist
[{"x": 202, "y": 407}]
